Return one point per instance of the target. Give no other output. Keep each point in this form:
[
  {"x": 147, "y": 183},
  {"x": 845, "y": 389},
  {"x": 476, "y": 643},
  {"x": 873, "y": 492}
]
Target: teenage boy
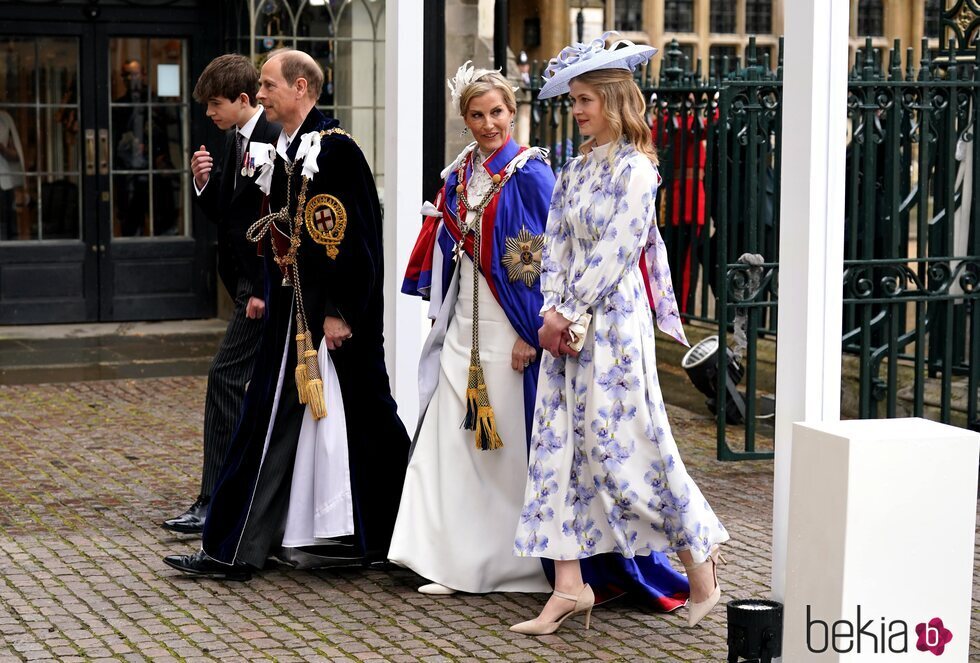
[{"x": 229, "y": 197}]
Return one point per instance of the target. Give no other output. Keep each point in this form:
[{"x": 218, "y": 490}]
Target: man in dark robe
[{"x": 338, "y": 270}]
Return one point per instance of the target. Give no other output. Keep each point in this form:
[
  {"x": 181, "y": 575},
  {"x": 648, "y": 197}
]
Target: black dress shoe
[
  {"x": 199, "y": 564},
  {"x": 192, "y": 520}
]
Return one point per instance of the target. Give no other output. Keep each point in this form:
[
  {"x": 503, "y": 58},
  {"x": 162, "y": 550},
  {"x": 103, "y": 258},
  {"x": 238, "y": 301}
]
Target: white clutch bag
[{"x": 578, "y": 331}]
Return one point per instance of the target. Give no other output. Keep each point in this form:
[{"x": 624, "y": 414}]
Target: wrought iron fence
[
  {"x": 911, "y": 261},
  {"x": 912, "y": 252}
]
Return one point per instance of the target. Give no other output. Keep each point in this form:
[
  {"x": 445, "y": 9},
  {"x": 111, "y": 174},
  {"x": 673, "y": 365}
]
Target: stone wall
[
  {"x": 463, "y": 42},
  {"x": 469, "y": 36}
]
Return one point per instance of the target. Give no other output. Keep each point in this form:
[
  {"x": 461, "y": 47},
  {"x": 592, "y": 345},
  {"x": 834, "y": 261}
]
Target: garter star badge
[
  {"x": 326, "y": 221},
  {"x": 523, "y": 257}
]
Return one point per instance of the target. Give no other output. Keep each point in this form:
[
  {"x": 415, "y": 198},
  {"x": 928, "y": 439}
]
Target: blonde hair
[
  {"x": 488, "y": 82},
  {"x": 623, "y": 107}
]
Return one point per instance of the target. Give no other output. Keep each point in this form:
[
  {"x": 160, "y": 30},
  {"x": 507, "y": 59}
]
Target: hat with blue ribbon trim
[{"x": 577, "y": 59}]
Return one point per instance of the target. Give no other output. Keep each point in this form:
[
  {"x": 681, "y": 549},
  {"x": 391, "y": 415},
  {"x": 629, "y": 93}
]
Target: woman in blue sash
[{"x": 463, "y": 489}]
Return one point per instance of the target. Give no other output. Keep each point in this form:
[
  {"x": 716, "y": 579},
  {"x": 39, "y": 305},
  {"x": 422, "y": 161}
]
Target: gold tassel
[
  {"x": 302, "y": 379},
  {"x": 314, "y": 383},
  {"x": 487, "y": 438},
  {"x": 302, "y": 376},
  {"x": 317, "y": 406},
  {"x": 472, "y": 397},
  {"x": 479, "y": 413}
]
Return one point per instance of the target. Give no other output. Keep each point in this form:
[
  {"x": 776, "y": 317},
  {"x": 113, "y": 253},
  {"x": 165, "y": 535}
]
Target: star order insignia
[
  {"x": 326, "y": 221},
  {"x": 523, "y": 257}
]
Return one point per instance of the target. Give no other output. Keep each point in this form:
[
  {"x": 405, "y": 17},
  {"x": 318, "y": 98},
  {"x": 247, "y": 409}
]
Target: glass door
[
  {"x": 147, "y": 111},
  {"x": 48, "y": 272},
  {"x": 40, "y": 142},
  {"x": 95, "y": 216},
  {"x": 156, "y": 263}
]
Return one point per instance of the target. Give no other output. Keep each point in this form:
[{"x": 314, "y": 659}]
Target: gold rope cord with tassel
[
  {"x": 479, "y": 413},
  {"x": 302, "y": 375},
  {"x": 307, "y": 360},
  {"x": 309, "y": 382}
]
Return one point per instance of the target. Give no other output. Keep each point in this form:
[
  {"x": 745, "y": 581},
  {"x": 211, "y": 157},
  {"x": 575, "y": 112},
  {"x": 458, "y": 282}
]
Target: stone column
[
  {"x": 556, "y": 31},
  {"x": 653, "y": 22},
  {"x": 917, "y": 30},
  {"x": 778, "y": 20},
  {"x": 463, "y": 42},
  {"x": 702, "y": 26},
  {"x": 899, "y": 23}
]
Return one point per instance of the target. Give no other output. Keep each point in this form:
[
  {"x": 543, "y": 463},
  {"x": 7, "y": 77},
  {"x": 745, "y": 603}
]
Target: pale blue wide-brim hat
[{"x": 577, "y": 59}]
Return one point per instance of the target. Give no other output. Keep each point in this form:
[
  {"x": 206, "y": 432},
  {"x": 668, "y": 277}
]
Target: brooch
[
  {"x": 326, "y": 221},
  {"x": 523, "y": 257}
]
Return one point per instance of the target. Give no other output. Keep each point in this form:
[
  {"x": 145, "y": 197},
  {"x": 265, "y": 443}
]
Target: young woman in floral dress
[
  {"x": 604, "y": 472},
  {"x": 464, "y": 489}
]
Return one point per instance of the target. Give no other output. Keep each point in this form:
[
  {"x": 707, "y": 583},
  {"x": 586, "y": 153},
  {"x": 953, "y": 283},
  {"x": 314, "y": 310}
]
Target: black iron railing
[{"x": 912, "y": 248}]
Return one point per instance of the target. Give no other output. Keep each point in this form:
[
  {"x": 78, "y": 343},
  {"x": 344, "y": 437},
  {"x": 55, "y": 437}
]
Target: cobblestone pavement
[{"x": 87, "y": 470}]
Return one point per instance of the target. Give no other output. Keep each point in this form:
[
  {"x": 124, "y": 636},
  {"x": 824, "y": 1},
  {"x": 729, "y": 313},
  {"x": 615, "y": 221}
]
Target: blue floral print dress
[{"x": 604, "y": 471}]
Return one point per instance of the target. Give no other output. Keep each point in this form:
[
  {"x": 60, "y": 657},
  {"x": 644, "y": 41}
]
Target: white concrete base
[{"x": 882, "y": 515}]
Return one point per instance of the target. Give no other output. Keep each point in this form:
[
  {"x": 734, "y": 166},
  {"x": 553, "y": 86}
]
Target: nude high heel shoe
[
  {"x": 583, "y": 603},
  {"x": 697, "y": 611}
]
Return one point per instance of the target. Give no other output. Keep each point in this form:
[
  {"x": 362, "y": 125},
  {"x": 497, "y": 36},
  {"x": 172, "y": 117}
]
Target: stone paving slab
[
  {"x": 74, "y": 355},
  {"x": 88, "y": 469}
]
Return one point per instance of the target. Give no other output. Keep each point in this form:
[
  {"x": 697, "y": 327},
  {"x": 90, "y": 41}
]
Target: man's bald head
[{"x": 297, "y": 64}]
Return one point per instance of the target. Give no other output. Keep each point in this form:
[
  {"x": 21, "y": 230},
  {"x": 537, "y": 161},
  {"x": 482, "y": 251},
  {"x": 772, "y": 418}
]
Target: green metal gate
[{"x": 912, "y": 249}]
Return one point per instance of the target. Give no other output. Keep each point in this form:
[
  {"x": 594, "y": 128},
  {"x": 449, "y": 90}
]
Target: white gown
[
  {"x": 459, "y": 504},
  {"x": 605, "y": 474}
]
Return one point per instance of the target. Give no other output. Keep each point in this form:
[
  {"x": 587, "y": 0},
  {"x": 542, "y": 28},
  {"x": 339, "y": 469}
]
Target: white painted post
[
  {"x": 883, "y": 519},
  {"x": 402, "y": 192},
  {"x": 811, "y": 243}
]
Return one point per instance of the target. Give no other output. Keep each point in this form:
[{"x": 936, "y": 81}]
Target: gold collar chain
[{"x": 497, "y": 184}]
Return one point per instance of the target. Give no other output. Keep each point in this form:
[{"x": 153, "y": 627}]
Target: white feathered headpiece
[{"x": 465, "y": 75}]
